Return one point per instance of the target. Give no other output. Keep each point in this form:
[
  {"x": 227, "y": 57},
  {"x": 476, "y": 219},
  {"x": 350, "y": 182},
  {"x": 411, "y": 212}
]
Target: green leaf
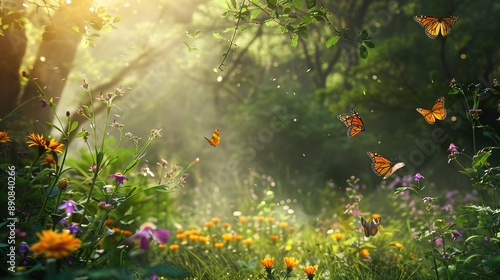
[
  {"x": 74, "y": 125},
  {"x": 363, "y": 52},
  {"x": 233, "y": 2},
  {"x": 54, "y": 126},
  {"x": 332, "y": 41},
  {"x": 481, "y": 159},
  {"x": 297, "y": 4},
  {"x": 311, "y": 4},
  {"x": 271, "y": 4},
  {"x": 369, "y": 44},
  {"x": 454, "y": 91},
  {"x": 254, "y": 14},
  {"x": 294, "y": 41},
  {"x": 218, "y": 36}
]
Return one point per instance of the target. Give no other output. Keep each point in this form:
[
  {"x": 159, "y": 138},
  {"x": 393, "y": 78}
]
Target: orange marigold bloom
[
  {"x": 260, "y": 218},
  {"x": 243, "y": 220},
  {"x": 180, "y": 236},
  {"x": 109, "y": 222},
  {"x": 337, "y": 236},
  {"x": 215, "y": 220},
  {"x": 49, "y": 160},
  {"x": 309, "y": 270},
  {"x": 398, "y": 245},
  {"x": 193, "y": 237},
  {"x": 36, "y": 140},
  {"x": 173, "y": 247},
  {"x": 270, "y": 220},
  {"x": 161, "y": 246},
  {"x": 219, "y": 245},
  {"x": 56, "y": 245},
  {"x": 126, "y": 233},
  {"x": 226, "y": 225},
  {"x": 291, "y": 262},
  {"x": 4, "y": 137},
  {"x": 247, "y": 241},
  {"x": 238, "y": 237},
  {"x": 364, "y": 253},
  {"x": 283, "y": 225},
  {"x": 227, "y": 236},
  {"x": 275, "y": 237},
  {"x": 180, "y": 230},
  {"x": 55, "y": 146},
  {"x": 267, "y": 262},
  {"x": 291, "y": 229},
  {"x": 204, "y": 239},
  {"x": 209, "y": 224}
]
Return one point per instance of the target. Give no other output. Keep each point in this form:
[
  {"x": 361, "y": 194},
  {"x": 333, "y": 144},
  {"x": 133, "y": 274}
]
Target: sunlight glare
[
  {"x": 219, "y": 79},
  {"x": 42, "y": 58},
  {"x": 68, "y": 2}
]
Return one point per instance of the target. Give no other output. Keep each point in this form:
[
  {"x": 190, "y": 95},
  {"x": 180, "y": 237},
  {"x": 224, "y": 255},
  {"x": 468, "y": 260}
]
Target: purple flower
[
  {"x": 24, "y": 248},
  {"x": 74, "y": 229},
  {"x": 439, "y": 242},
  {"x": 453, "y": 149},
  {"x": 148, "y": 231},
  {"x": 44, "y": 103},
  {"x": 356, "y": 212},
  {"x": 486, "y": 239},
  {"x": 455, "y": 234},
  {"x": 69, "y": 206},
  {"x": 118, "y": 177},
  {"x": 418, "y": 177},
  {"x": 104, "y": 205}
]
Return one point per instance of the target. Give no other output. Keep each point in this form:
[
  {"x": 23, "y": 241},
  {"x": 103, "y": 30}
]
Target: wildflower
[
  {"x": 85, "y": 84},
  {"x": 204, "y": 239},
  {"x": 309, "y": 271},
  {"x": 364, "y": 253},
  {"x": 486, "y": 239},
  {"x": 161, "y": 246},
  {"x": 238, "y": 237},
  {"x": 418, "y": 177},
  {"x": 270, "y": 220},
  {"x": 243, "y": 220},
  {"x": 455, "y": 235},
  {"x": 337, "y": 236},
  {"x": 398, "y": 245},
  {"x": 247, "y": 242},
  {"x": 117, "y": 125},
  {"x": 24, "y": 248},
  {"x": 36, "y": 140},
  {"x": 4, "y": 137},
  {"x": 291, "y": 262},
  {"x": 356, "y": 212},
  {"x": 227, "y": 236},
  {"x": 49, "y": 160},
  {"x": 182, "y": 180},
  {"x": 180, "y": 236},
  {"x": 219, "y": 245},
  {"x": 283, "y": 225},
  {"x": 149, "y": 231},
  {"x": 267, "y": 262},
  {"x": 69, "y": 206},
  {"x": 44, "y": 103},
  {"x": 438, "y": 242},
  {"x": 146, "y": 171},
  {"x": 260, "y": 219},
  {"x": 209, "y": 224},
  {"x": 62, "y": 184},
  {"x": 275, "y": 238},
  {"x": 74, "y": 229},
  {"x": 56, "y": 245},
  {"x": 475, "y": 113},
  {"x": 156, "y": 133},
  {"x": 197, "y": 160},
  {"x": 104, "y": 205},
  {"x": 174, "y": 247},
  {"x": 193, "y": 237},
  {"x": 452, "y": 148},
  {"x": 119, "y": 178},
  {"x": 452, "y": 82},
  {"x": 226, "y": 225},
  {"x": 215, "y": 220},
  {"x": 55, "y": 146}
]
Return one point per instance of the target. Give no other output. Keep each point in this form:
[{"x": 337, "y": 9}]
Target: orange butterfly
[
  {"x": 371, "y": 228},
  {"x": 353, "y": 122},
  {"x": 215, "y": 138},
  {"x": 383, "y": 166},
  {"x": 434, "y": 25},
  {"x": 438, "y": 112}
]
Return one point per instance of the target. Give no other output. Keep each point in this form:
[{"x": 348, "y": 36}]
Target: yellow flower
[
  {"x": 173, "y": 247},
  {"x": 309, "y": 270},
  {"x": 49, "y": 160},
  {"x": 337, "y": 236},
  {"x": 398, "y": 245},
  {"x": 227, "y": 236},
  {"x": 36, "y": 140},
  {"x": 161, "y": 246},
  {"x": 226, "y": 225},
  {"x": 364, "y": 253},
  {"x": 55, "y": 146},
  {"x": 267, "y": 262},
  {"x": 209, "y": 224},
  {"x": 275, "y": 237},
  {"x": 219, "y": 245},
  {"x": 4, "y": 137},
  {"x": 270, "y": 220},
  {"x": 247, "y": 241},
  {"x": 204, "y": 239},
  {"x": 215, "y": 220},
  {"x": 283, "y": 225},
  {"x": 243, "y": 220},
  {"x": 291, "y": 262},
  {"x": 260, "y": 219},
  {"x": 238, "y": 237},
  {"x": 194, "y": 237},
  {"x": 180, "y": 236},
  {"x": 56, "y": 245}
]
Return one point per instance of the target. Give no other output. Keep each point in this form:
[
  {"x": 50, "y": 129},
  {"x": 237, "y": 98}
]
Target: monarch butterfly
[
  {"x": 438, "y": 111},
  {"x": 353, "y": 122},
  {"x": 434, "y": 25},
  {"x": 383, "y": 166},
  {"x": 215, "y": 138},
  {"x": 370, "y": 229}
]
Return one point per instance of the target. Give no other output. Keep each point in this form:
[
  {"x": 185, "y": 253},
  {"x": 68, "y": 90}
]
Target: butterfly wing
[
  {"x": 427, "y": 114},
  {"x": 438, "y": 110},
  {"x": 345, "y": 119},
  {"x": 373, "y": 229},
  {"x": 446, "y": 25},
  {"x": 215, "y": 138},
  {"x": 383, "y": 166},
  {"x": 366, "y": 227},
  {"x": 353, "y": 122}
]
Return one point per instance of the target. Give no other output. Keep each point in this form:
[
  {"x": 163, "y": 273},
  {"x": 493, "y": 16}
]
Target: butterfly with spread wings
[
  {"x": 383, "y": 166},
  {"x": 434, "y": 25},
  {"x": 438, "y": 112},
  {"x": 371, "y": 228},
  {"x": 215, "y": 138},
  {"x": 353, "y": 122}
]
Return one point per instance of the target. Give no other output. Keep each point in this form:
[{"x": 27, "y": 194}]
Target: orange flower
[
  {"x": 215, "y": 220},
  {"x": 309, "y": 270},
  {"x": 226, "y": 225},
  {"x": 275, "y": 237},
  {"x": 291, "y": 262},
  {"x": 219, "y": 245},
  {"x": 36, "y": 140},
  {"x": 49, "y": 160},
  {"x": 364, "y": 253},
  {"x": 292, "y": 229},
  {"x": 180, "y": 230},
  {"x": 55, "y": 146},
  {"x": 227, "y": 236},
  {"x": 247, "y": 241},
  {"x": 283, "y": 225},
  {"x": 243, "y": 220},
  {"x": 238, "y": 237},
  {"x": 180, "y": 236},
  {"x": 337, "y": 236},
  {"x": 209, "y": 224},
  {"x": 193, "y": 237},
  {"x": 204, "y": 239},
  {"x": 4, "y": 137},
  {"x": 173, "y": 247},
  {"x": 126, "y": 233},
  {"x": 270, "y": 220},
  {"x": 56, "y": 245},
  {"x": 267, "y": 262},
  {"x": 109, "y": 222},
  {"x": 161, "y": 246},
  {"x": 260, "y": 218}
]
